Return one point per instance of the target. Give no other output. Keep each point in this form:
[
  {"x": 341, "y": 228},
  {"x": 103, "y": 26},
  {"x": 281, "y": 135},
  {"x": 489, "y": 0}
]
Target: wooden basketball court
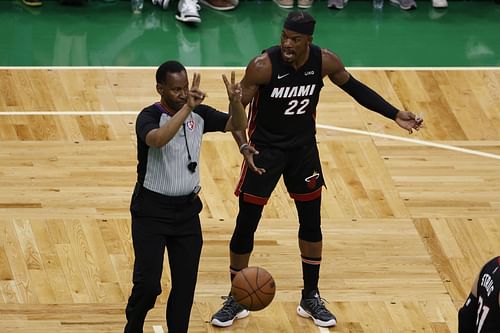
[{"x": 407, "y": 224}]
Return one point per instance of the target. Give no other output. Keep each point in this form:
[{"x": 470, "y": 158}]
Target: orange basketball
[{"x": 253, "y": 288}]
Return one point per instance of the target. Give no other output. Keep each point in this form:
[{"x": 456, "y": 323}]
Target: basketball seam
[
  {"x": 251, "y": 287},
  {"x": 255, "y": 291}
]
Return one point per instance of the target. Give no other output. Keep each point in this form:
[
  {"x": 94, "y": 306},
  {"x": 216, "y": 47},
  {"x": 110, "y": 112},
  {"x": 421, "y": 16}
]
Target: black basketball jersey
[
  {"x": 283, "y": 112},
  {"x": 488, "y": 286}
]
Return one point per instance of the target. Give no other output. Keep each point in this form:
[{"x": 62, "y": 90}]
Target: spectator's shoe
[
  {"x": 228, "y": 313},
  {"x": 337, "y": 4},
  {"x": 405, "y": 4},
  {"x": 305, "y": 3},
  {"x": 439, "y": 3},
  {"x": 162, "y": 3},
  {"x": 219, "y": 4},
  {"x": 287, "y": 4},
  {"x": 33, "y": 3},
  {"x": 187, "y": 11},
  {"x": 313, "y": 306}
]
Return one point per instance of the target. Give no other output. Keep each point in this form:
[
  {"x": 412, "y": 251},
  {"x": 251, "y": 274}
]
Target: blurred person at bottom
[{"x": 481, "y": 311}]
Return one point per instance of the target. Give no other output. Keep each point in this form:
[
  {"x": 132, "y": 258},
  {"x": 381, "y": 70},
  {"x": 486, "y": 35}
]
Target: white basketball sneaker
[
  {"x": 162, "y": 3},
  {"x": 187, "y": 11}
]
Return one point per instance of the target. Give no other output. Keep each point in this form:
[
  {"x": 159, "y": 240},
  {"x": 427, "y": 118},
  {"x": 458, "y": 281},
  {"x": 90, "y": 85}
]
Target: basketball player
[
  {"x": 481, "y": 311},
  {"x": 283, "y": 85}
]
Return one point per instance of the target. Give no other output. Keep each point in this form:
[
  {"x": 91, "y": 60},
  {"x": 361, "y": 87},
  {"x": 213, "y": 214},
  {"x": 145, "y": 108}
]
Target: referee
[{"x": 165, "y": 205}]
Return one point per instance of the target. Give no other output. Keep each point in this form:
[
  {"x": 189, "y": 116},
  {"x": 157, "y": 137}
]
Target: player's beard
[{"x": 288, "y": 56}]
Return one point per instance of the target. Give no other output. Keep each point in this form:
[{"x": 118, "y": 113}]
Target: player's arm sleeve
[
  {"x": 467, "y": 315},
  {"x": 369, "y": 98}
]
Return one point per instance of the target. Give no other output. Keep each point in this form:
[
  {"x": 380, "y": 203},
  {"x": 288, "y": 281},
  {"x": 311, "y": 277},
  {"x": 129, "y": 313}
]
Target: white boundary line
[
  {"x": 158, "y": 329},
  {"x": 323, "y": 329},
  {"x": 415, "y": 141},
  {"x": 68, "y": 113}
]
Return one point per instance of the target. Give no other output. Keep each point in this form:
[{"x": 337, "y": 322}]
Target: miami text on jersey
[{"x": 297, "y": 91}]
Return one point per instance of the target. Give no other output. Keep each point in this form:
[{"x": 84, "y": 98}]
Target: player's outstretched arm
[{"x": 367, "y": 97}]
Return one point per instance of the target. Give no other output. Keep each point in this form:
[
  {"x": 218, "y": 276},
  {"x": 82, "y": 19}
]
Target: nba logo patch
[
  {"x": 312, "y": 180},
  {"x": 190, "y": 124}
]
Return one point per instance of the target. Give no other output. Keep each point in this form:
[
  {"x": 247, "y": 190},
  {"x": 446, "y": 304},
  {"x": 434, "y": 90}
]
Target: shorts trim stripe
[
  {"x": 254, "y": 199},
  {"x": 307, "y": 196}
]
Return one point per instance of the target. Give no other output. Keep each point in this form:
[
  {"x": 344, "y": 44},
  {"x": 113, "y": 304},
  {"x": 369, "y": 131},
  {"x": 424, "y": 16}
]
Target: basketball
[{"x": 253, "y": 288}]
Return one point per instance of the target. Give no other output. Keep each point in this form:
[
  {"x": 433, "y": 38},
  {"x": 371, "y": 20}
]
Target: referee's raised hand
[{"x": 196, "y": 96}]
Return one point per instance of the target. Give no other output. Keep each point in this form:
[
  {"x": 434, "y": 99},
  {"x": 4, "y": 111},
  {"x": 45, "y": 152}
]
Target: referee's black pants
[{"x": 183, "y": 249}]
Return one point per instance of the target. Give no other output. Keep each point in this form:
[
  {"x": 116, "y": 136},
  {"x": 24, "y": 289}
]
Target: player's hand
[
  {"x": 409, "y": 121},
  {"x": 233, "y": 89},
  {"x": 196, "y": 96},
  {"x": 248, "y": 152}
]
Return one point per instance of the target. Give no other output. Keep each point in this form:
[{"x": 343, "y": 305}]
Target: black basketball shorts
[{"x": 301, "y": 170}]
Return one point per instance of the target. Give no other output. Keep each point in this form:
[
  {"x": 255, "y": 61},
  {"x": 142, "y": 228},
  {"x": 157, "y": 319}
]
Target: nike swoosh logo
[{"x": 282, "y": 76}]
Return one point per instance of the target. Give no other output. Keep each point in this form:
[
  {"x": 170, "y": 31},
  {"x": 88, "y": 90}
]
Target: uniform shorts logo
[
  {"x": 312, "y": 180},
  {"x": 190, "y": 124}
]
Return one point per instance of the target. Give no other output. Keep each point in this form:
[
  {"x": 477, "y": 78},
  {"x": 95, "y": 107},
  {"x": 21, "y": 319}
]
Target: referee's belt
[{"x": 180, "y": 199}]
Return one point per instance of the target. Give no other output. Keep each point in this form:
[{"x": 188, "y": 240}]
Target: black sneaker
[
  {"x": 228, "y": 313},
  {"x": 313, "y": 306}
]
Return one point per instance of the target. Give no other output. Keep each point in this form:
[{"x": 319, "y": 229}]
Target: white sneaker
[
  {"x": 187, "y": 11},
  {"x": 439, "y": 3},
  {"x": 405, "y": 4},
  {"x": 162, "y": 3},
  {"x": 336, "y": 4}
]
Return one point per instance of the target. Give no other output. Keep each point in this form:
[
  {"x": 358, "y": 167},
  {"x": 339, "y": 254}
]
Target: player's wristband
[{"x": 243, "y": 147}]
